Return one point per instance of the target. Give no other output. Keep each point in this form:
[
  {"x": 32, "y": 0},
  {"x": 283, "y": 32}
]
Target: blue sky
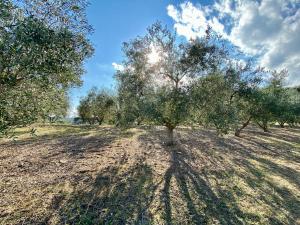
[
  {"x": 267, "y": 30},
  {"x": 116, "y": 21}
]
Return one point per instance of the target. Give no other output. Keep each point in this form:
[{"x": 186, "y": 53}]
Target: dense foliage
[
  {"x": 165, "y": 81},
  {"x": 154, "y": 86},
  {"x": 97, "y": 107},
  {"x": 42, "y": 48},
  {"x": 169, "y": 82}
]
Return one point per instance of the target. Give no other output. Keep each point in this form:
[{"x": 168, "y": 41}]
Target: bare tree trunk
[
  {"x": 264, "y": 126},
  {"x": 170, "y": 137},
  {"x": 99, "y": 119},
  {"x": 281, "y": 124},
  {"x": 238, "y": 130}
]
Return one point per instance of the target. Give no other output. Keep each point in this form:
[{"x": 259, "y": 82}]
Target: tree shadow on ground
[
  {"x": 212, "y": 192},
  {"x": 203, "y": 179},
  {"x": 45, "y": 165},
  {"x": 188, "y": 178},
  {"x": 78, "y": 145},
  {"x": 45, "y": 132},
  {"x": 83, "y": 139},
  {"x": 192, "y": 193},
  {"x": 203, "y": 206},
  {"x": 116, "y": 196}
]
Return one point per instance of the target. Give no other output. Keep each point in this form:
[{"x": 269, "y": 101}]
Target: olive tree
[
  {"x": 268, "y": 100},
  {"x": 158, "y": 72},
  {"x": 42, "y": 44},
  {"x": 286, "y": 102},
  {"x": 224, "y": 98},
  {"x": 54, "y": 105},
  {"x": 96, "y": 106},
  {"x": 291, "y": 114}
]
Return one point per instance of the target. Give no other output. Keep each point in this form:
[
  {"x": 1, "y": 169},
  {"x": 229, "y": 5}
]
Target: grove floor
[{"x": 102, "y": 175}]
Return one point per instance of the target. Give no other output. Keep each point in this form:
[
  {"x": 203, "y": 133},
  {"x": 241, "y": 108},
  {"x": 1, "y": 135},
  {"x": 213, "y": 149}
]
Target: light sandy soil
[{"x": 102, "y": 175}]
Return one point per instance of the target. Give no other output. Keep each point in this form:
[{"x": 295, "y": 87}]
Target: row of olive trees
[
  {"x": 168, "y": 82},
  {"x": 230, "y": 101},
  {"x": 43, "y": 45},
  {"x": 158, "y": 75}
]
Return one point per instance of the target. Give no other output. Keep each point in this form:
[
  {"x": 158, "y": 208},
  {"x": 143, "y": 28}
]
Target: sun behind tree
[{"x": 158, "y": 71}]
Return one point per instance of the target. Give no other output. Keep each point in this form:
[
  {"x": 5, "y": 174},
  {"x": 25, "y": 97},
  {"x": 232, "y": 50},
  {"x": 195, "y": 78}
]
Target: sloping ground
[{"x": 82, "y": 175}]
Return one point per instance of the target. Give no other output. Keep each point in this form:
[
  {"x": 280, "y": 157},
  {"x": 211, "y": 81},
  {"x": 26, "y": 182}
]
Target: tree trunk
[
  {"x": 138, "y": 121},
  {"x": 238, "y": 130},
  {"x": 99, "y": 120},
  {"x": 264, "y": 126},
  {"x": 91, "y": 121},
  {"x": 170, "y": 137}
]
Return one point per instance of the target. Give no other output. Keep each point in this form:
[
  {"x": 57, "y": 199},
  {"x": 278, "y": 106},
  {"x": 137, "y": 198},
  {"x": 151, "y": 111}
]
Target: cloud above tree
[{"x": 268, "y": 30}]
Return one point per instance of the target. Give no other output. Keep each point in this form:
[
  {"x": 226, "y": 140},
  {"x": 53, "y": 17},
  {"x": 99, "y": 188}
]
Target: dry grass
[{"x": 101, "y": 175}]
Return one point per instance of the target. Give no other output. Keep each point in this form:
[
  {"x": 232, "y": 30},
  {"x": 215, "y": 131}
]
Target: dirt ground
[{"x": 102, "y": 175}]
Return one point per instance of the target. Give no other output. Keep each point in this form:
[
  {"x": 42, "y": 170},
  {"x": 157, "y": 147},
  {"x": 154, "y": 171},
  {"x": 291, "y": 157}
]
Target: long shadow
[
  {"x": 203, "y": 207},
  {"x": 195, "y": 181},
  {"x": 270, "y": 192},
  {"x": 116, "y": 196},
  {"x": 211, "y": 203},
  {"x": 287, "y": 136},
  {"x": 56, "y": 131},
  {"x": 77, "y": 145},
  {"x": 242, "y": 148},
  {"x": 73, "y": 143},
  {"x": 186, "y": 176},
  {"x": 279, "y": 198}
]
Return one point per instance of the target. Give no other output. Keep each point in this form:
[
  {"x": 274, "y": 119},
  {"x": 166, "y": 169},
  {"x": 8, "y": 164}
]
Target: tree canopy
[
  {"x": 43, "y": 45},
  {"x": 158, "y": 72},
  {"x": 97, "y": 106},
  {"x": 169, "y": 82}
]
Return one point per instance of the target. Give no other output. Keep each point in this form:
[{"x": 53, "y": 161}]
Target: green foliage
[
  {"x": 154, "y": 86},
  {"x": 28, "y": 102},
  {"x": 224, "y": 98},
  {"x": 196, "y": 81},
  {"x": 293, "y": 114},
  {"x": 243, "y": 84},
  {"x": 286, "y": 100},
  {"x": 55, "y": 104},
  {"x": 97, "y": 106},
  {"x": 270, "y": 100},
  {"x": 209, "y": 100},
  {"x": 131, "y": 90},
  {"x": 167, "y": 106},
  {"x": 42, "y": 48}
]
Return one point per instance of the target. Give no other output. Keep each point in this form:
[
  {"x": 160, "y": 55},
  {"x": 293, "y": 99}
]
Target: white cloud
[
  {"x": 190, "y": 21},
  {"x": 267, "y": 29},
  {"x": 117, "y": 66}
]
